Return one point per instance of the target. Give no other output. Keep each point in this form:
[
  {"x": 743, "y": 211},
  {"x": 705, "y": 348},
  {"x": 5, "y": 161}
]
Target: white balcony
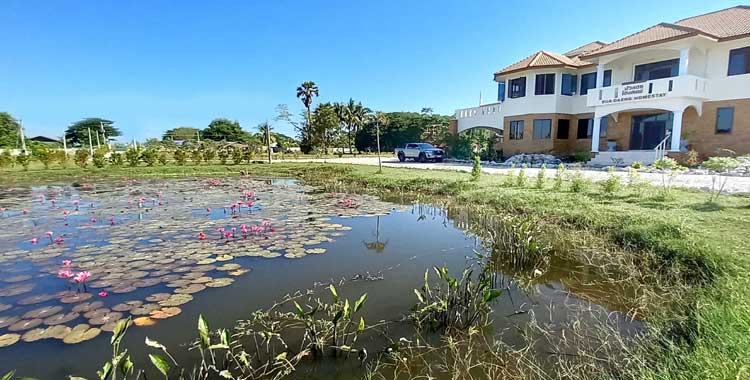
[
  {"x": 486, "y": 115},
  {"x": 649, "y": 92}
]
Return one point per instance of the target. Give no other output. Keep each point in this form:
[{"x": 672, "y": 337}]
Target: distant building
[
  {"x": 668, "y": 88},
  {"x": 45, "y": 140}
]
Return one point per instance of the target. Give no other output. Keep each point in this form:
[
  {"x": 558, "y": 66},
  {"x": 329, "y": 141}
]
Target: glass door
[{"x": 647, "y": 131}]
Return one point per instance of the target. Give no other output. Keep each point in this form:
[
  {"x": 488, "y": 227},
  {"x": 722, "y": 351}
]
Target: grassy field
[{"x": 701, "y": 247}]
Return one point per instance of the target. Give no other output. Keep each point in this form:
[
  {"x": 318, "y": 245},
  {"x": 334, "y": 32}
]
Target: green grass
[{"x": 705, "y": 336}]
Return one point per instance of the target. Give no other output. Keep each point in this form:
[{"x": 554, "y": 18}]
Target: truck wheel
[
  {"x": 401, "y": 157},
  {"x": 422, "y": 158}
]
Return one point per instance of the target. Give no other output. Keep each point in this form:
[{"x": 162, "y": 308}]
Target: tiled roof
[
  {"x": 727, "y": 23},
  {"x": 543, "y": 59},
  {"x": 724, "y": 24},
  {"x": 591, "y": 46}
]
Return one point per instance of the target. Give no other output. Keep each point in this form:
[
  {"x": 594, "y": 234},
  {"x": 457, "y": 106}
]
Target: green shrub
[
  {"x": 133, "y": 156},
  {"x": 150, "y": 156},
  {"x": 44, "y": 154},
  {"x": 209, "y": 154},
  {"x": 163, "y": 158},
  {"x": 6, "y": 159},
  {"x": 637, "y": 165},
  {"x": 669, "y": 169},
  {"x": 521, "y": 178},
  {"x": 635, "y": 183},
  {"x": 579, "y": 183},
  {"x": 24, "y": 160},
  {"x": 540, "y": 177},
  {"x": 719, "y": 166},
  {"x": 98, "y": 159},
  {"x": 582, "y": 156},
  {"x": 236, "y": 156},
  {"x": 247, "y": 155},
  {"x": 116, "y": 159},
  {"x": 612, "y": 184},
  {"x": 510, "y": 180},
  {"x": 180, "y": 156},
  {"x": 61, "y": 157},
  {"x": 476, "y": 170},
  {"x": 559, "y": 177},
  {"x": 196, "y": 156},
  {"x": 223, "y": 156},
  {"x": 81, "y": 157}
]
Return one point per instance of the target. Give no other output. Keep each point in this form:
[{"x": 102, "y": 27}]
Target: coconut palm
[
  {"x": 305, "y": 93},
  {"x": 356, "y": 117}
]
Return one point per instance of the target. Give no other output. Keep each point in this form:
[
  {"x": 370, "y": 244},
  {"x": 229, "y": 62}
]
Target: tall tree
[
  {"x": 326, "y": 126},
  {"x": 224, "y": 130},
  {"x": 8, "y": 130},
  {"x": 357, "y": 115},
  {"x": 181, "y": 134},
  {"x": 305, "y": 93},
  {"x": 78, "y": 132}
]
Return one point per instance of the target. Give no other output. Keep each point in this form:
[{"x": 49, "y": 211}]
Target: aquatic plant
[{"x": 454, "y": 303}]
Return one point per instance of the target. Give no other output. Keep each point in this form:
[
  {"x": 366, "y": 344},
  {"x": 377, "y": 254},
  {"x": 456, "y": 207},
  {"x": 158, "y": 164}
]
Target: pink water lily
[
  {"x": 24, "y": 211},
  {"x": 208, "y": 209},
  {"x": 201, "y": 236},
  {"x": 102, "y": 294},
  {"x": 111, "y": 220},
  {"x": 59, "y": 240},
  {"x": 67, "y": 263},
  {"x": 66, "y": 212},
  {"x": 81, "y": 277},
  {"x": 65, "y": 274},
  {"x": 75, "y": 203},
  {"x": 93, "y": 220},
  {"x": 227, "y": 235},
  {"x": 34, "y": 240}
]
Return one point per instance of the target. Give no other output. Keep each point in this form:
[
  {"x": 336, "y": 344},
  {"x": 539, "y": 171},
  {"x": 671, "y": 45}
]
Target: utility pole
[
  {"x": 268, "y": 141},
  {"x": 23, "y": 138},
  {"x": 98, "y": 144},
  {"x": 198, "y": 133},
  {"x": 104, "y": 135},
  {"x": 91, "y": 145},
  {"x": 65, "y": 145},
  {"x": 377, "y": 132}
]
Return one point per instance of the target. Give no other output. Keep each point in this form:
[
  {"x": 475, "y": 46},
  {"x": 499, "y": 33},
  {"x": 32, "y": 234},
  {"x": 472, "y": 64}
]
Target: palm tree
[
  {"x": 357, "y": 116},
  {"x": 305, "y": 93}
]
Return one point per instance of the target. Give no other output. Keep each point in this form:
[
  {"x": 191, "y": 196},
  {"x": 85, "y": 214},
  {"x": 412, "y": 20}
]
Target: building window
[
  {"x": 517, "y": 88},
  {"x": 569, "y": 84},
  {"x": 739, "y": 61},
  {"x": 542, "y": 129},
  {"x": 724, "y": 119},
  {"x": 588, "y": 81},
  {"x": 563, "y": 129},
  {"x": 516, "y": 130},
  {"x": 603, "y": 126},
  {"x": 657, "y": 70},
  {"x": 585, "y": 128},
  {"x": 501, "y": 91},
  {"x": 545, "y": 84}
]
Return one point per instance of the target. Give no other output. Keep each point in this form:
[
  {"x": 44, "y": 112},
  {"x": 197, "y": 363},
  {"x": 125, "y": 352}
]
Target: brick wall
[
  {"x": 700, "y": 132},
  {"x": 553, "y": 145}
]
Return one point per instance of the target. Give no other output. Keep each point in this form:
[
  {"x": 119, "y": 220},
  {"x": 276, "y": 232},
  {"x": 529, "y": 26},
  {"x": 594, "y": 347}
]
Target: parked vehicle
[{"x": 421, "y": 152}]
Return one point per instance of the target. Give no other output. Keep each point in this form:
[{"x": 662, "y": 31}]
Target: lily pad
[
  {"x": 9, "y": 339},
  {"x": 7, "y": 320},
  {"x": 220, "y": 282},
  {"x": 61, "y": 318},
  {"x": 144, "y": 321},
  {"x": 25, "y": 324},
  {"x": 80, "y": 297},
  {"x": 176, "y": 300},
  {"x": 190, "y": 289},
  {"x": 43, "y": 312},
  {"x": 156, "y": 297},
  {"x": 81, "y": 333},
  {"x": 164, "y": 313}
]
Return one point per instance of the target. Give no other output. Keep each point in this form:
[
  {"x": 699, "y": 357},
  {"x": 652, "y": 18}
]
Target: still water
[{"x": 164, "y": 252}]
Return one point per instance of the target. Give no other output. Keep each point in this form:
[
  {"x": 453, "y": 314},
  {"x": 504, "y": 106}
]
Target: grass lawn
[{"x": 706, "y": 335}]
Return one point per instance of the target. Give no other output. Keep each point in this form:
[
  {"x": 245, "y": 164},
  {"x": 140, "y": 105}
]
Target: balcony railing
[{"x": 685, "y": 86}]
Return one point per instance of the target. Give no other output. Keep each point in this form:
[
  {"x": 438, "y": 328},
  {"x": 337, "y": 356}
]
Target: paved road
[{"x": 697, "y": 181}]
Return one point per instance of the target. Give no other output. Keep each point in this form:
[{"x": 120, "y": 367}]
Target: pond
[{"x": 77, "y": 258}]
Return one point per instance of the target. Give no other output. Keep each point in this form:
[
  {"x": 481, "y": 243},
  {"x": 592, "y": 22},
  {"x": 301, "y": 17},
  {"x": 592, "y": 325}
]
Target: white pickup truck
[{"x": 421, "y": 152}]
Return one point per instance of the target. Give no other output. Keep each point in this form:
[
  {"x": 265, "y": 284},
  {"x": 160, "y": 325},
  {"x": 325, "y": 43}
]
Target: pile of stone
[{"x": 532, "y": 160}]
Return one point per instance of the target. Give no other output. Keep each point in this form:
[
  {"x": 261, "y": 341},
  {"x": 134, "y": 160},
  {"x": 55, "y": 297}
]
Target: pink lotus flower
[
  {"x": 34, "y": 240},
  {"x": 102, "y": 294},
  {"x": 49, "y": 233},
  {"x": 81, "y": 277},
  {"x": 93, "y": 220},
  {"x": 227, "y": 235},
  {"x": 24, "y": 211},
  {"x": 201, "y": 236},
  {"x": 59, "y": 240},
  {"x": 67, "y": 263},
  {"x": 66, "y": 212},
  {"x": 111, "y": 220},
  {"x": 65, "y": 274},
  {"x": 208, "y": 209},
  {"x": 76, "y": 202},
  {"x": 53, "y": 200}
]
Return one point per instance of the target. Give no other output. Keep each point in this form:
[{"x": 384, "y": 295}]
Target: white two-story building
[{"x": 667, "y": 89}]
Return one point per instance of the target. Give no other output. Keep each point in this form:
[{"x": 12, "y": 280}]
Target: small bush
[
  {"x": 612, "y": 184},
  {"x": 581, "y": 156},
  {"x": 579, "y": 183},
  {"x": 247, "y": 155},
  {"x": 61, "y": 157},
  {"x": 635, "y": 183},
  {"x": 196, "y": 156},
  {"x": 719, "y": 167},
  {"x": 180, "y": 156},
  {"x": 637, "y": 165},
  {"x": 692, "y": 158},
  {"x": 81, "y": 157},
  {"x": 669, "y": 169},
  {"x": 521, "y": 178},
  {"x": 150, "y": 156},
  {"x": 510, "y": 180},
  {"x": 116, "y": 159},
  {"x": 540, "y": 177},
  {"x": 223, "y": 156},
  {"x": 6, "y": 159},
  {"x": 209, "y": 154},
  {"x": 98, "y": 159},
  {"x": 236, "y": 156},
  {"x": 44, "y": 154},
  {"x": 559, "y": 177},
  {"x": 133, "y": 156},
  {"x": 24, "y": 160},
  {"x": 476, "y": 170},
  {"x": 163, "y": 158}
]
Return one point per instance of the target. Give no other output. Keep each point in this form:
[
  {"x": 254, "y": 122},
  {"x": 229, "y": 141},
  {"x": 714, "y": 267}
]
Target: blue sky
[{"x": 154, "y": 65}]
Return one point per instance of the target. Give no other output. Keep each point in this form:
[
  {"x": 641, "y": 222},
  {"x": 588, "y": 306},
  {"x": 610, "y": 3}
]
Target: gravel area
[{"x": 689, "y": 180}]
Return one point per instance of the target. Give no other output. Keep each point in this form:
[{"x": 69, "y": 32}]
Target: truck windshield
[{"x": 425, "y": 146}]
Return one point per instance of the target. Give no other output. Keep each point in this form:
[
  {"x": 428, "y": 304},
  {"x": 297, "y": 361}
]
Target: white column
[
  {"x": 595, "y": 134},
  {"x": 676, "y": 130},
  {"x": 599, "y": 76},
  {"x": 684, "y": 61}
]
